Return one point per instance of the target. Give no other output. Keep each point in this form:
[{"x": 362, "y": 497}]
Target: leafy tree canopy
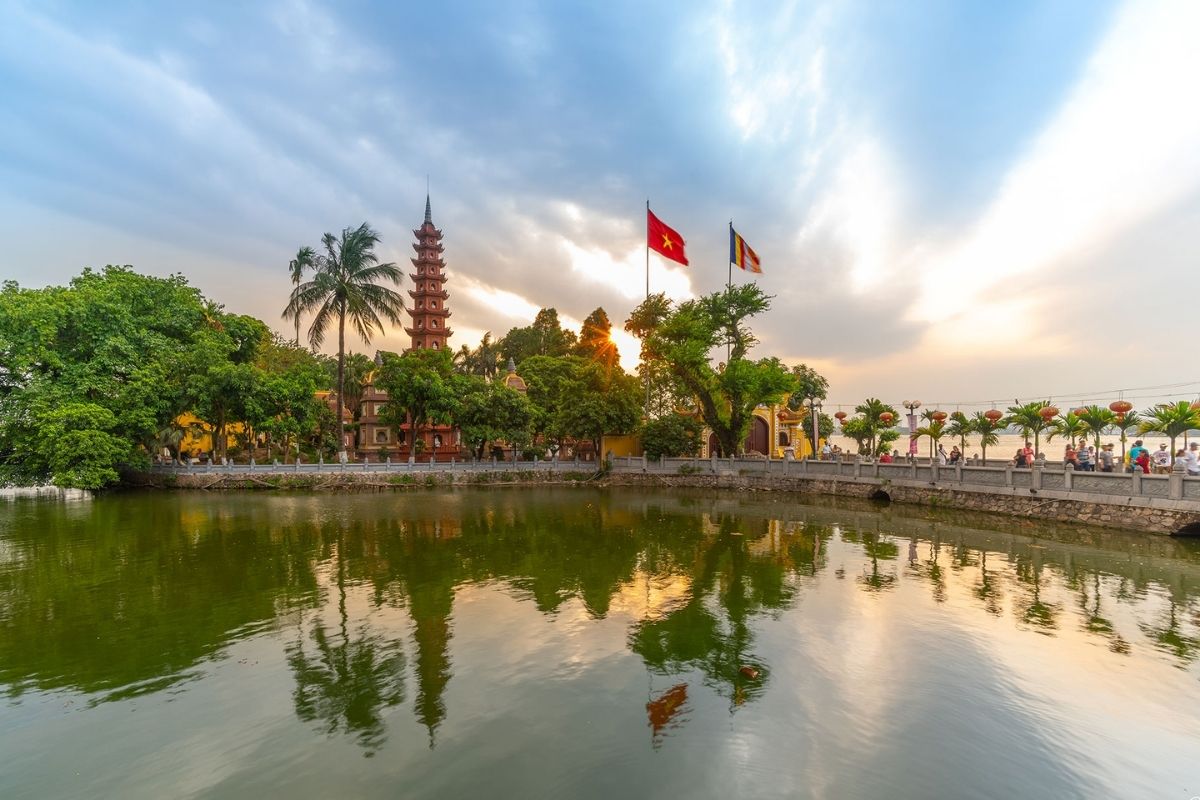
[
  {"x": 545, "y": 337},
  {"x": 681, "y": 338}
]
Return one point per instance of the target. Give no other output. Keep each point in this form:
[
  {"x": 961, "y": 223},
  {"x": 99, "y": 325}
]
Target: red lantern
[
  {"x": 1048, "y": 413},
  {"x": 886, "y": 418},
  {"x": 840, "y": 416},
  {"x": 939, "y": 416},
  {"x": 1195, "y": 406},
  {"x": 1120, "y": 408},
  {"x": 994, "y": 415},
  {"x": 1079, "y": 412}
]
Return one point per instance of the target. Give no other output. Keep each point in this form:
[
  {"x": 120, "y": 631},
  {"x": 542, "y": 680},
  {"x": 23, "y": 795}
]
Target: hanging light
[
  {"x": 886, "y": 417},
  {"x": 840, "y": 416},
  {"x": 1048, "y": 413},
  {"x": 994, "y": 415},
  {"x": 1120, "y": 408},
  {"x": 939, "y": 416}
]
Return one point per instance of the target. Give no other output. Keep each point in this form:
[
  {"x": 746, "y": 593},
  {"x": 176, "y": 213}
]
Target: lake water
[{"x": 539, "y": 643}]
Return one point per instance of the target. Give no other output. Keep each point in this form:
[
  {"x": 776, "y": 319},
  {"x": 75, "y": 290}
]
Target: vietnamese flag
[{"x": 663, "y": 239}]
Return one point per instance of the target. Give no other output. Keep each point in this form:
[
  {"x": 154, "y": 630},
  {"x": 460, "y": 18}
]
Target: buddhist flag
[
  {"x": 663, "y": 239},
  {"x": 741, "y": 254}
]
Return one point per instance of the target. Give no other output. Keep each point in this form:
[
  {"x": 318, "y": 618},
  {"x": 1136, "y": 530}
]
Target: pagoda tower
[{"x": 429, "y": 313}]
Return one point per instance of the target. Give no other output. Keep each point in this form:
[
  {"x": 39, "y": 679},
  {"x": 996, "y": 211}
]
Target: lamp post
[
  {"x": 815, "y": 407},
  {"x": 912, "y": 406}
]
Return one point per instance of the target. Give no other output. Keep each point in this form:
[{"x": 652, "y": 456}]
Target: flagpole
[
  {"x": 729, "y": 283},
  {"x": 647, "y": 248},
  {"x": 647, "y": 410}
]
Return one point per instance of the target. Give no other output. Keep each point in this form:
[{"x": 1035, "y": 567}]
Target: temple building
[
  {"x": 429, "y": 313},
  {"x": 429, "y": 330}
]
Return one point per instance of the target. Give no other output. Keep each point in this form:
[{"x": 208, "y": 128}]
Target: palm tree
[
  {"x": 1030, "y": 420},
  {"x": 304, "y": 260},
  {"x": 961, "y": 426},
  {"x": 1172, "y": 419},
  {"x": 1131, "y": 420},
  {"x": 872, "y": 410},
  {"x": 935, "y": 431},
  {"x": 347, "y": 288},
  {"x": 1068, "y": 425},
  {"x": 1096, "y": 419},
  {"x": 986, "y": 429}
]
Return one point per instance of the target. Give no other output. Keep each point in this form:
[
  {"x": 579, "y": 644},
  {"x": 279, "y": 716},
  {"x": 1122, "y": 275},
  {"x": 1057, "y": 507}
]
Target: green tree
[
  {"x": 1096, "y": 419},
  {"x": 873, "y": 411},
  {"x": 1029, "y": 419},
  {"x": 550, "y": 382},
  {"x": 112, "y": 341},
  {"x": 1172, "y": 419},
  {"x": 601, "y": 400},
  {"x": 810, "y": 386},
  {"x": 683, "y": 337},
  {"x": 1069, "y": 426},
  {"x": 347, "y": 288},
  {"x": 1132, "y": 420},
  {"x": 422, "y": 388},
  {"x": 672, "y": 436},
  {"x": 483, "y": 361},
  {"x": 935, "y": 431},
  {"x": 987, "y": 430},
  {"x": 284, "y": 404},
  {"x": 595, "y": 340},
  {"x": 491, "y": 412},
  {"x": 960, "y": 426},
  {"x": 544, "y": 337},
  {"x": 305, "y": 260}
]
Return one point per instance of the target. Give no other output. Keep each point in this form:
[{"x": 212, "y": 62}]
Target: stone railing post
[
  {"x": 1008, "y": 478},
  {"x": 1035, "y": 476},
  {"x": 320, "y": 461},
  {"x": 1175, "y": 480},
  {"x": 644, "y": 462},
  {"x": 935, "y": 469},
  {"x": 297, "y": 463},
  {"x": 912, "y": 468},
  {"x": 250, "y": 465},
  {"x": 1136, "y": 472},
  {"x": 958, "y": 466},
  {"x": 858, "y": 466},
  {"x": 1068, "y": 476}
]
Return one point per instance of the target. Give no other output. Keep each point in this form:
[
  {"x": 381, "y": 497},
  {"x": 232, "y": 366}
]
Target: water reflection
[{"x": 138, "y": 593}]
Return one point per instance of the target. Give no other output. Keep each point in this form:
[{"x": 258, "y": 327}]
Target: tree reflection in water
[{"x": 347, "y": 682}]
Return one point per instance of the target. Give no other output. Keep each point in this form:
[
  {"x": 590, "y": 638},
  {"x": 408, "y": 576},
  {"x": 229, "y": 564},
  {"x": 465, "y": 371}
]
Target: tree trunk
[{"x": 341, "y": 392}]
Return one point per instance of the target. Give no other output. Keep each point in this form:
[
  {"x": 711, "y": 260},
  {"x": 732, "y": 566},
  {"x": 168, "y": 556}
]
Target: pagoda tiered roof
[
  {"x": 425, "y": 294},
  {"x": 441, "y": 333}
]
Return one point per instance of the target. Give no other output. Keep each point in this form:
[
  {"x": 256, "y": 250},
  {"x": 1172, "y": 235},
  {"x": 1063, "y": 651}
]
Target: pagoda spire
[{"x": 428, "y": 210}]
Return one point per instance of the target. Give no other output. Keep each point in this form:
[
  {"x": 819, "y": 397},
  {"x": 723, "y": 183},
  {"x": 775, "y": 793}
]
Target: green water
[{"x": 586, "y": 643}]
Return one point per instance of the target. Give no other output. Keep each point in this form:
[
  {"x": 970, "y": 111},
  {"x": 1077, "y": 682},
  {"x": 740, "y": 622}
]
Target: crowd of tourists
[{"x": 1088, "y": 459}]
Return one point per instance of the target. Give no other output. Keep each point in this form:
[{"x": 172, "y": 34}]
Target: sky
[{"x": 964, "y": 203}]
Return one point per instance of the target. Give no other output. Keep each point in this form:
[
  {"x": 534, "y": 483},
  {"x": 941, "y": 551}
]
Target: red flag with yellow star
[{"x": 663, "y": 239}]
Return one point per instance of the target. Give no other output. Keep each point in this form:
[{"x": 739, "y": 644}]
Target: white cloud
[{"x": 1122, "y": 148}]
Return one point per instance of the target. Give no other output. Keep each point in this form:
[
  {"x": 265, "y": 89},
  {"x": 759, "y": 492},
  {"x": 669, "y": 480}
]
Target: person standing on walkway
[
  {"x": 1192, "y": 459},
  {"x": 1083, "y": 460},
  {"x": 1106, "y": 458},
  {"x": 941, "y": 456},
  {"x": 1070, "y": 457},
  {"x": 1162, "y": 459},
  {"x": 1028, "y": 454}
]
